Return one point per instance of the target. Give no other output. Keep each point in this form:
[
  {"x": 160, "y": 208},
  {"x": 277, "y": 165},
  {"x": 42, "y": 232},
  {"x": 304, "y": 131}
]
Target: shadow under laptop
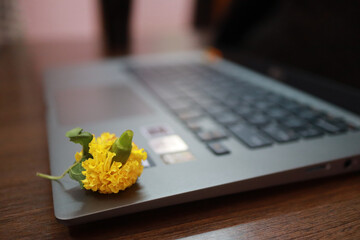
[
  {"x": 95, "y": 201},
  {"x": 132, "y": 193},
  {"x": 220, "y": 212}
]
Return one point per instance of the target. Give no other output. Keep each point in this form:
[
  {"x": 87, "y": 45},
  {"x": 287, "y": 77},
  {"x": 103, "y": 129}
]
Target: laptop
[{"x": 210, "y": 127}]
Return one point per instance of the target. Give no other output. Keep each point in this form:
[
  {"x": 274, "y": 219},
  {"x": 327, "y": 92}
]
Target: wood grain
[{"x": 319, "y": 209}]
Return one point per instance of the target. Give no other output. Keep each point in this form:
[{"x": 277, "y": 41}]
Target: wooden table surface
[{"x": 326, "y": 208}]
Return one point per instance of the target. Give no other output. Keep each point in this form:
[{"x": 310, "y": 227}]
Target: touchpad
[{"x": 97, "y": 103}]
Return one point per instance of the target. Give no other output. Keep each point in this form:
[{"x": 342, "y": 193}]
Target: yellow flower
[
  {"x": 78, "y": 156},
  {"x": 105, "y": 176}
]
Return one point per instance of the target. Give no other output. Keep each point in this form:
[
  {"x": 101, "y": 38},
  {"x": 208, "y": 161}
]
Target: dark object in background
[
  {"x": 302, "y": 39},
  {"x": 243, "y": 16},
  {"x": 116, "y": 17},
  {"x": 202, "y": 13}
]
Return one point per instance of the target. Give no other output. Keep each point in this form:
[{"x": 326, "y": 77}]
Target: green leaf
[
  {"x": 76, "y": 172},
  {"x": 77, "y": 135},
  {"x": 122, "y": 147}
]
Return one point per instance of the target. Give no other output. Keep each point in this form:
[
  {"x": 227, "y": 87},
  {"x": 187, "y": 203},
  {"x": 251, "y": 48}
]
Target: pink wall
[
  {"x": 59, "y": 20},
  {"x": 162, "y": 25},
  {"x": 156, "y": 25},
  {"x": 156, "y": 16}
]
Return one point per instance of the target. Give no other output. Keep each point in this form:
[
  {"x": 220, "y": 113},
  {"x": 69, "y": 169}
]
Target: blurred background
[
  {"x": 297, "y": 42},
  {"x": 313, "y": 45}
]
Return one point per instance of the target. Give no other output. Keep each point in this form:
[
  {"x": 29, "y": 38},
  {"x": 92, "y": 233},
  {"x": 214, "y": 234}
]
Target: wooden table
[{"x": 326, "y": 208}]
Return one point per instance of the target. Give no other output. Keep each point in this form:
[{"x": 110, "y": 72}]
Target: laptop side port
[
  {"x": 320, "y": 167},
  {"x": 348, "y": 163}
]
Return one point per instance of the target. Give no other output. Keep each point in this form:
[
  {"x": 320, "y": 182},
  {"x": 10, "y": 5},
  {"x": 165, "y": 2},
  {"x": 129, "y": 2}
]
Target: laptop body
[{"x": 184, "y": 164}]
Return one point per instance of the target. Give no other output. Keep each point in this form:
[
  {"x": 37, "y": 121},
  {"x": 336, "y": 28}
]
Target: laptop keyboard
[{"x": 216, "y": 106}]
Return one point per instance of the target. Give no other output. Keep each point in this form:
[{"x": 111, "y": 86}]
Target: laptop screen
[{"x": 312, "y": 45}]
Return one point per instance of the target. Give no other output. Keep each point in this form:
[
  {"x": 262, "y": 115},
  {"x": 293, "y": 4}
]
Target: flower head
[{"x": 104, "y": 175}]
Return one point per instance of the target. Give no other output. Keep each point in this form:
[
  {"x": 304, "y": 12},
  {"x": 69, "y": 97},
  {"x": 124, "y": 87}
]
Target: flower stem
[{"x": 55, "y": 177}]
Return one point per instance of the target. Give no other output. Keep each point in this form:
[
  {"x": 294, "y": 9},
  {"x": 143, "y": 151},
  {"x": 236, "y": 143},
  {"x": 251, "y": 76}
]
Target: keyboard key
[
  {"x": 309, "y": 131},
  {"x": 210, "y": 135},
  {"x": 309, "y": 114},
  {"x": 202, "y": 123},
  {"x": 226, "y": 118},
  {"x": 220, "y": 94},
  {"x": 277, "y": 113},
  {"x": 290, "y": 105},
  {"x": 353, "y": 127},
  {"x": 274, "y": 98},
  {"x": 249, "y": 98},
  {"x": 191, "y": 92},
  {"x": 251, "y": 136},
  {"x": 232, "y": 102},
  {"x": 190, "y": 114},
  {"x": 258, "y": 118},
  {"x": 244, "y": 110},
  {"x": 331, "y": 125},
  {"x": 194, "y": 126},
  {"x": 294, "y": 122},
  {"x": 215, "y": 109},
  {"x": 218, "y": 148},
  {"x": 263, "y": 105},
  {"x": 166, "y": 94},
  {"x": 178, "y": 104},
  {"x": 204, "y": 101},
  {"x": 280, "y": 133}
]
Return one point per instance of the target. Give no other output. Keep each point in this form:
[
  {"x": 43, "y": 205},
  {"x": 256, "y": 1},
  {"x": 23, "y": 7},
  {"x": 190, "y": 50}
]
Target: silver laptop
[{"x": 210, "y": 128}]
